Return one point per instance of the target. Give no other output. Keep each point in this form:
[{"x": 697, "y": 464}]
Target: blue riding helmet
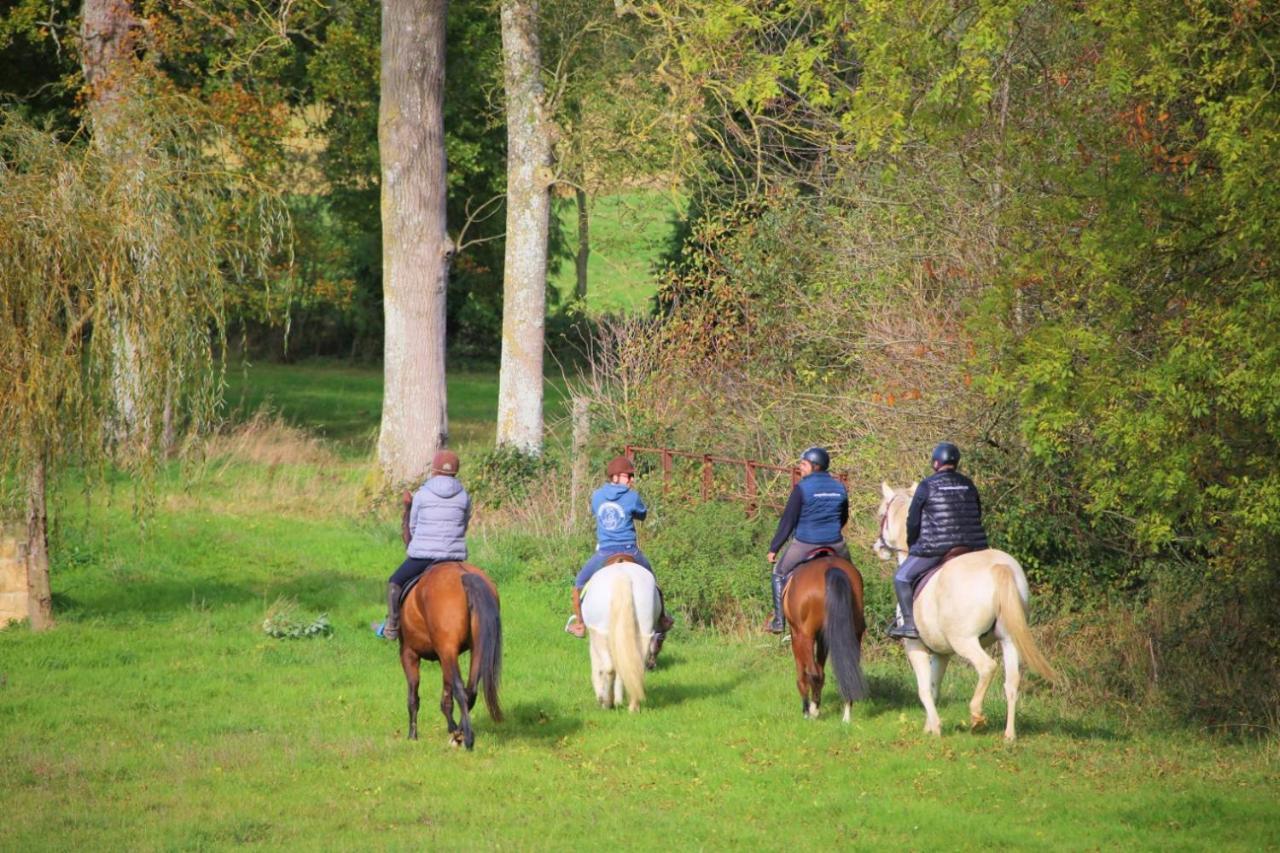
[
  {"x": 817, "y": 457},
  {"x": 946, "y": 453}
]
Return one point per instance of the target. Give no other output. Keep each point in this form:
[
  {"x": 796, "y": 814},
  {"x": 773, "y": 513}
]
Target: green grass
[
  {"x": 629, "y": 231},
  {"x": 157, "y": 715}
]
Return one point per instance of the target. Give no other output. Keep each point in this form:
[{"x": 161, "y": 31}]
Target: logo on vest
[{"x": 611, "y": 516}]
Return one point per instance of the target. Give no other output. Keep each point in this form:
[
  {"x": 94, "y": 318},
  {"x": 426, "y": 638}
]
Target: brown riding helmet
[
  {"x": 619, "y": 465},
  {"x": 445, "y": 462}
]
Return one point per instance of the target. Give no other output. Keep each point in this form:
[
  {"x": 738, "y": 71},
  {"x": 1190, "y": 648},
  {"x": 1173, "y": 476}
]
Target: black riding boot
[
  {"x": 907, "y": 630},
  {"x": 775, "y": 625},
  {"x": 391, "y": 628}
]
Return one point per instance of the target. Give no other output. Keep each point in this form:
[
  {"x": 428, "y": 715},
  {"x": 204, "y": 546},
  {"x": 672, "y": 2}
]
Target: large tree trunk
[
  {"x": 415, "y": 244},
  {"x": 108, "y": 35},
  {"x": 38, "y": 589},
  {"x": 524, "y": 289}
]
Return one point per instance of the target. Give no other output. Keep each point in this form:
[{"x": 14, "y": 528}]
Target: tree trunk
[
  {"x": 416, "y": 249},
  {"x": 38, "y": 589},
  {"x": 584, "y": 245},
  {"x": 108, "y": 35},
  {"x": 529, "y": 177}
]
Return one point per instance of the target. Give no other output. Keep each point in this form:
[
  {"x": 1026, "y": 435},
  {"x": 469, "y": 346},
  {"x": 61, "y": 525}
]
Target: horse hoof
[
  {"x": 935, "y": 729},
  {"x": 977, "y": 721},
  {"x": 455, "y": 739}
]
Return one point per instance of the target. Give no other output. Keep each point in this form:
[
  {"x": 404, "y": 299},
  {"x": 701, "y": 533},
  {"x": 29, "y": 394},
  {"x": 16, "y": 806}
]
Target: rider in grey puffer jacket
[{"x": 435, "y": 529}]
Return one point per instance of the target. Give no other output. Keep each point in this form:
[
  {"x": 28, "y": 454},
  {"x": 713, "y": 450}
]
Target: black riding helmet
[
  {"x": 946, "y": 453},
  {"x": 817, "y": 457}
]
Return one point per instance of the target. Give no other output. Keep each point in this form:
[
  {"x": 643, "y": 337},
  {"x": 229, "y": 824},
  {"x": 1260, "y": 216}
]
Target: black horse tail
[
  {"x": 487, "y": 642},
  {"x": 842, "y": 638}
]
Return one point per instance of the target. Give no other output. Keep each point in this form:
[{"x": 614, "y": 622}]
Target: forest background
[{"x": 1042, "y": 230}]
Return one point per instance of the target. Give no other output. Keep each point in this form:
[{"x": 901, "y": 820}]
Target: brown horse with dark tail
[
  {"x": 822, "y": 604},
  {"x": 453, "y": 609}
]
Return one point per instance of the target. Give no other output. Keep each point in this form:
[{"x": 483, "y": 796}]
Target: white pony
[
  {"x": 974, "y": 600},
  {"x": 619, "y": 609}
]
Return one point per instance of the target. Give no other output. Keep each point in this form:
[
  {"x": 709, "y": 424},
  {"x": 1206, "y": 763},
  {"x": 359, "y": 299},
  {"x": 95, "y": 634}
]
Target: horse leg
[
  {"x": 802, "y": 650},
  {"x": 473, "y": 678},
  {"x": 601, "y": 670},
  {"x": 448, "y": 673},
  {"x": 971, "y": 650},
  {"x": 818, "y": 678},
  {"x": 920, "y": 658},
  {"x": 938, "y": 665},
  {"x": 411, "y": 663},
  {"x": 1012, "y": 680}
]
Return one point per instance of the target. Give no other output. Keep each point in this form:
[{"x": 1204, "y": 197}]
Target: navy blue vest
[{"x": 823, "y": 495}]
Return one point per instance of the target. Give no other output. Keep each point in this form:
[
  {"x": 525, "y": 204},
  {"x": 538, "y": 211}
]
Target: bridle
[{"x": 882, "y": 544}]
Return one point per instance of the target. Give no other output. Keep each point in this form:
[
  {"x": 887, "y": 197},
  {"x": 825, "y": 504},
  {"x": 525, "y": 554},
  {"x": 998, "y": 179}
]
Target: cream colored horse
[
  {"x": 973, "y": 601},
  {"x": 619, "y": 608}
]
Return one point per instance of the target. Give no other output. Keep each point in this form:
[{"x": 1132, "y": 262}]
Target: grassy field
[
  {"x": 628, "y": 231},
  {"x": 158, "y": 715}
]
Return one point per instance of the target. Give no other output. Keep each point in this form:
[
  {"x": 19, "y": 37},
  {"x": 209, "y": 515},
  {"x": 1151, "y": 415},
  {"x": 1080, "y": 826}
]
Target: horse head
[{"x": 891, "y": 540}]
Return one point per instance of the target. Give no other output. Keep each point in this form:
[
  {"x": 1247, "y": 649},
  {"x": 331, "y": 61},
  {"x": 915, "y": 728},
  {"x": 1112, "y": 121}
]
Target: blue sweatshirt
[{"x": 615, "y": 507}]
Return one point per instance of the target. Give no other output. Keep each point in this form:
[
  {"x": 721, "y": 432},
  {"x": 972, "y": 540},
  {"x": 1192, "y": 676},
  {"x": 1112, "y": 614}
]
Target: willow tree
[
  {"x": 529, "y": 178},
  {"x": 72, "y": 228},
  {"x": 416, "y": 248}
]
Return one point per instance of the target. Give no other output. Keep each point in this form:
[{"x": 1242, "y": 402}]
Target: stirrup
[
  {"x": 573, "y": 620},
  {"x": 903, "y": 632}
]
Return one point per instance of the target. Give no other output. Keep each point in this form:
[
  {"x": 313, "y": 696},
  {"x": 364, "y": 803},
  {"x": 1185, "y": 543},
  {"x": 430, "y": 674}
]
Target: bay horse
[
  {"x": 453, "y": 608},
  {"x": 822, "y": 603},
  {"x": 620, "y": 609},
  {"x": 974, "y": 600}
]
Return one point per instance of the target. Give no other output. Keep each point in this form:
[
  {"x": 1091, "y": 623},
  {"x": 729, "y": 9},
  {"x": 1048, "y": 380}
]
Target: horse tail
[
  {"x": 1011, "y": 610},
  {"x": 842, "y": 637},
  {"x": 487, "y": 639},
  {"x": 624, "y": 639}
]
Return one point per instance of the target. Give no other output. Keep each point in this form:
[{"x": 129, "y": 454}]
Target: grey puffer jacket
[{"x": 438, "y": 520}]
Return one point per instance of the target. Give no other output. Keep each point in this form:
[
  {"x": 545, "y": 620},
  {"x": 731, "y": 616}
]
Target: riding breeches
[
  {"x": 410, "y": 569},
  {"x": 913, "y": 567},
  {"x": 798, "y": 550},
  {"x": 596, "y": 562}
]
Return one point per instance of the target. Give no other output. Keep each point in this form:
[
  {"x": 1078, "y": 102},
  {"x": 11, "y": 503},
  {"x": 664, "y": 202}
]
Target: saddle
[
  {"x": 822, "y": 551},
  {"x": 918, "y": 586}
]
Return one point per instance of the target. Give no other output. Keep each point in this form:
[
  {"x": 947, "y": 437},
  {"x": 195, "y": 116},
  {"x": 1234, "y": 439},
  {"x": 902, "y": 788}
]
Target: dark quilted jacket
[{"x": 945, "y": 512}]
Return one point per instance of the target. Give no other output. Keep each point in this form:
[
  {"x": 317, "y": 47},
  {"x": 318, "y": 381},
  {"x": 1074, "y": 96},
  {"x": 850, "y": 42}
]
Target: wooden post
[
  {"x": 706, "y": 478},
  {"x": 15, "y": 600},
  {"x": 666, "y": 470},
  {"x": 578, "y": 478},
  {"x": 751, "y": 489}
]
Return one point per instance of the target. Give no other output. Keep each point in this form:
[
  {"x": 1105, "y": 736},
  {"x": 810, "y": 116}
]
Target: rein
[{"x": 881, "y": 542}]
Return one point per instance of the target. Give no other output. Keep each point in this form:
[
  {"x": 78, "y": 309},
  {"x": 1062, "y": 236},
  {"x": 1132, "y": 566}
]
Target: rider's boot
[
  {"x": 576, "y": 626},
  {"x": 907, "y": 630},
  {"x": 774, "y": 625},
  {"x": 391, "y": 628}
]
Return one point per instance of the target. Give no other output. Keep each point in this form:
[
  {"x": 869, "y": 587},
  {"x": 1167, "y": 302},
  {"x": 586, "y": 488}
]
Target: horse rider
[
  {"x": 815, "y": 514},
  {"x": 435, "y": 530},
  {"x": 945, "y": 513},
  {"x": 616, "y": 507}
]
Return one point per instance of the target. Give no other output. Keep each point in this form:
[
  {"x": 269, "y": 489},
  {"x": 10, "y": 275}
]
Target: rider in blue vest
[
  {"x": 945, "y": 513},
  {"x": 616, "y": 507},
  {"x": 814, "y": 515}
]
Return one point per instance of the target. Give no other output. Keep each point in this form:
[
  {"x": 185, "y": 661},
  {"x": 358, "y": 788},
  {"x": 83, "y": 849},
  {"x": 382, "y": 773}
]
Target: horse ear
[{"x": 885, "y": 490}]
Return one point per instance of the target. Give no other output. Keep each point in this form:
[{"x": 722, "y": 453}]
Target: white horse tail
[
  {"x": 1013, "y": 613},
  {"x": 624, "y": 639}
]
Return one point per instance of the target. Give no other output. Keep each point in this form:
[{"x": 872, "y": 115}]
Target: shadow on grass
[
  {"x": 666, "y": 695},
  {"x": 527, "y": 721}
]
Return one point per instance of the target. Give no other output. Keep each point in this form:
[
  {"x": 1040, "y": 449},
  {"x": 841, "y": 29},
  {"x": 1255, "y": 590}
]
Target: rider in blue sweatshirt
[{"x": 616, "y": 507}]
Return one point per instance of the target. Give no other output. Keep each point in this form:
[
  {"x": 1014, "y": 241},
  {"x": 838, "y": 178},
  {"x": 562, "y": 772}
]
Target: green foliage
[
  {"x": 709, "y": 560},
  {"x": 504, "y": 475}
]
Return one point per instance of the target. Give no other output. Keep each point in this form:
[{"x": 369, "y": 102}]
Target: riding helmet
[
  {"x": 445, "y": 462},
  {"x": 946, "y": 453},
  {"x": 619, "y": 465},
  {"x": 817, "y": 457}
]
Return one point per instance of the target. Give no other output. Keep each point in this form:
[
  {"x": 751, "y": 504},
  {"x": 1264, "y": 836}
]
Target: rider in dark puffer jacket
[{"x": 945, "y": 513}]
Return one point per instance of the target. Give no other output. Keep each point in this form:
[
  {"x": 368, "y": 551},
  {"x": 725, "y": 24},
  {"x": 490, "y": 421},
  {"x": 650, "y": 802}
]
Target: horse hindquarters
[{"x": 624, "y": 640}]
